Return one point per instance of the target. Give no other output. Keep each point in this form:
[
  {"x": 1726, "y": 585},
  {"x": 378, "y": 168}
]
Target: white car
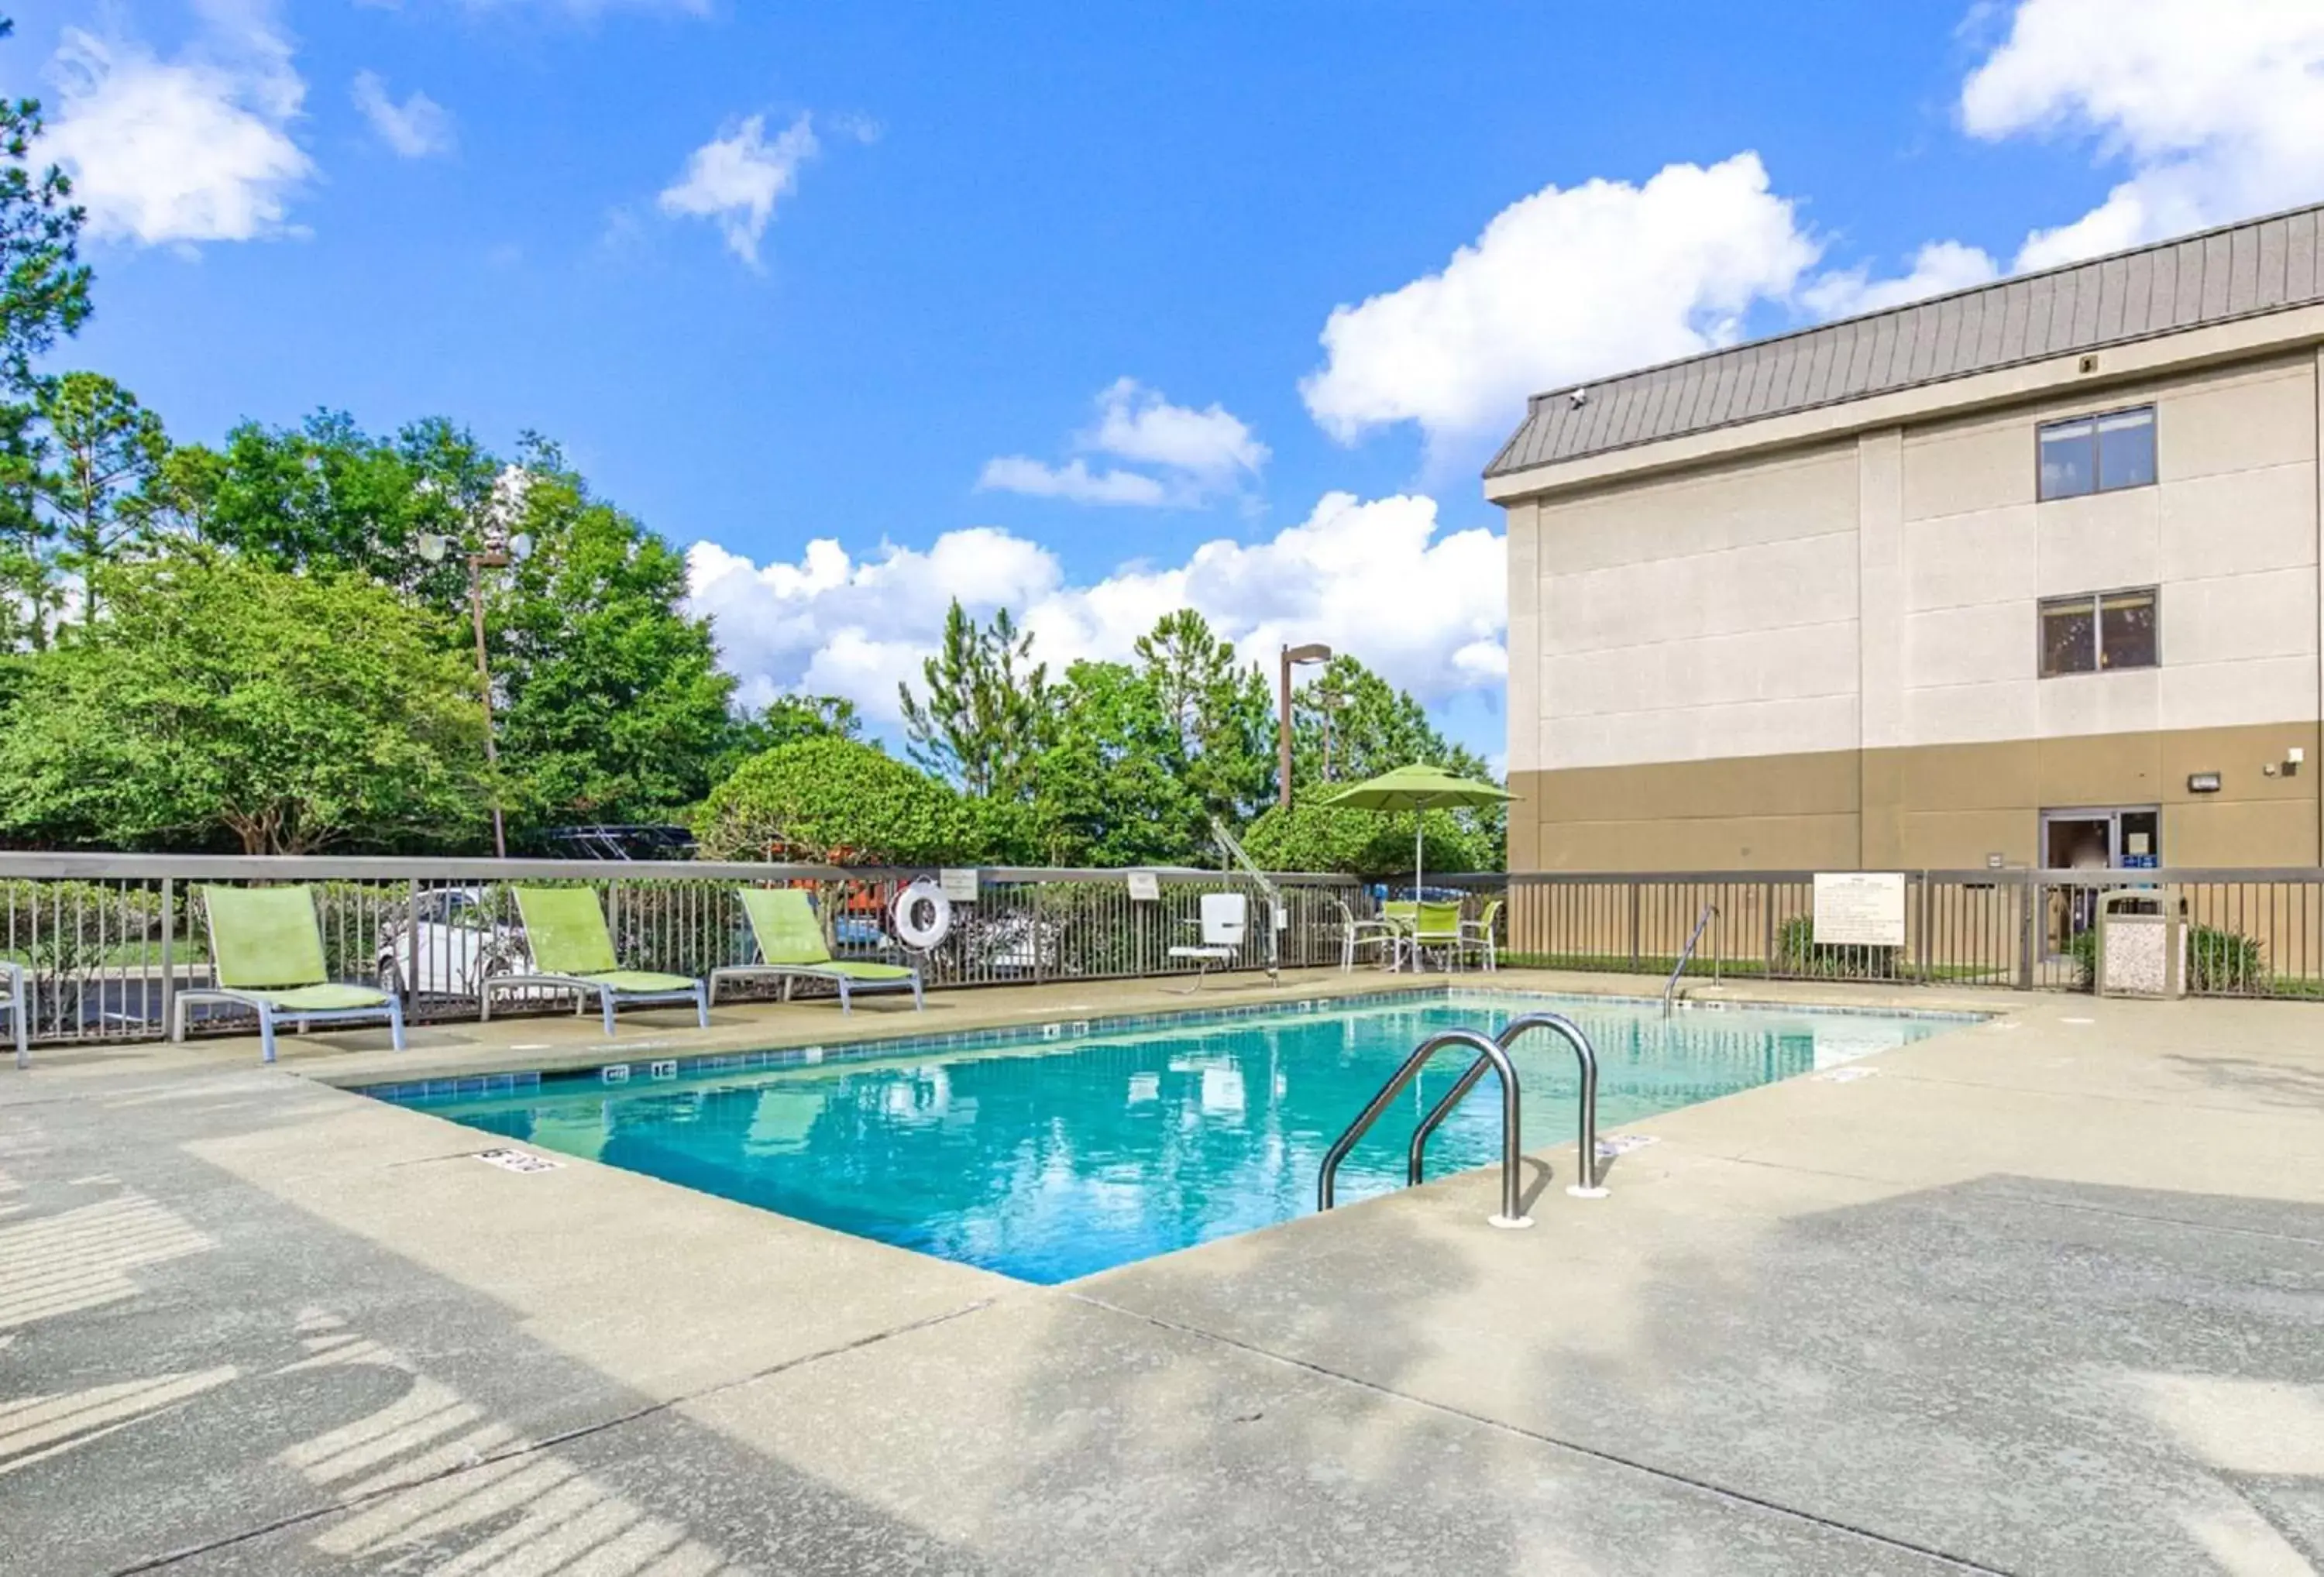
[{"x": 453, "y": 947}]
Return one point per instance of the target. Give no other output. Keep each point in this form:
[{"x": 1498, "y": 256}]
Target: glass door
[{"x": 2107, "y": 838}]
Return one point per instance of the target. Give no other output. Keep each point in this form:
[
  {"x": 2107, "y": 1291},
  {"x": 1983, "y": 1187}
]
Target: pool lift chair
[{"x": 1225, "y": 920}]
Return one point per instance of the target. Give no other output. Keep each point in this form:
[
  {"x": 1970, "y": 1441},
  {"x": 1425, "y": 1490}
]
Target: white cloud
[
  {"x": 2216, "y": 105},
  {"x": 193, "y": 149},
  {"x": 1938, "y": 267},
  {"x": 414, "y": 129},
  {"x": 1074, "y": 482},
  {"x": 736, "y": 178},
  {"x": 1565, "y": 284},
  {"x": 1138, "y": 424},
  {"x": 1375, "y": 578},
  {"x": 1200, "y": 454}
]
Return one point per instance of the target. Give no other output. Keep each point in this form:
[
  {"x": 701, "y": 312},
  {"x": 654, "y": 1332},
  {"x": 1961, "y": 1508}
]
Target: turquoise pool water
[{"x": 1048, "y": 1158}]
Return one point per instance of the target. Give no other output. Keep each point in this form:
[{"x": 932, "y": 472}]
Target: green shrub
[
  {"x": 2224, "y": 961},
  {"x": 836, "y": 801},
  {"x": 2217, "y": 961},
  {"x": 1798, "y": 953}
]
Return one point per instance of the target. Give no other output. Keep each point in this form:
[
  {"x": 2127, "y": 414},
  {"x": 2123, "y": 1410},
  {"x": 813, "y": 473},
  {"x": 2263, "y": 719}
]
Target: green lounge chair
[
  {"x": 791, "y": 947},
  {"x": 266, "y": 952},
  {"x": 565, "y": 932}
]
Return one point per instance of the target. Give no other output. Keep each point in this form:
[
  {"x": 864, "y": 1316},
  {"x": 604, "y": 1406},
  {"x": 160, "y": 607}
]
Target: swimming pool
[{"x": 1070, "y": 1148}]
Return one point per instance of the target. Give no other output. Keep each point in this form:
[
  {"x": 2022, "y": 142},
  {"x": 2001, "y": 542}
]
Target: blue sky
[{"x": 1030, "y": 304}]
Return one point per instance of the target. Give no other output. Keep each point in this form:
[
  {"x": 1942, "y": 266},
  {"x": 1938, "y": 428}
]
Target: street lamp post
[
  {"x": 499, "y": 551},
  {"x": 1293, "y": 657}
]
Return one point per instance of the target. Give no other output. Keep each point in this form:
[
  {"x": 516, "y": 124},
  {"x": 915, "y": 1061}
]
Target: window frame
[
  {"x": 2095, "y": 602},
  {"x": 2098, "y": 419}
]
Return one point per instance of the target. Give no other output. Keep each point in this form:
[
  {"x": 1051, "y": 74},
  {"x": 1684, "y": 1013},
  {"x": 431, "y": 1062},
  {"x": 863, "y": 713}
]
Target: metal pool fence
[
  {"x": 2250, "y": 933},
  {"x": 107, "y": 940}
]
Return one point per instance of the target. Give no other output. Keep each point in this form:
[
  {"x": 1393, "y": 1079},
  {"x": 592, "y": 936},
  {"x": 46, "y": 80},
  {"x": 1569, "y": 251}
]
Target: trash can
[{"x": 2142, "y": 945}]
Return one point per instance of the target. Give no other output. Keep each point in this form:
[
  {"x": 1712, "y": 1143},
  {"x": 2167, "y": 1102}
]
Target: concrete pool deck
[{"x": 2044, "y": 1294}]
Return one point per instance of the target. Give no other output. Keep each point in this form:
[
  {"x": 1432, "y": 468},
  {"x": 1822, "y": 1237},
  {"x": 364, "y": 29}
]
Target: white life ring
[{"x": 922, "y": 915}]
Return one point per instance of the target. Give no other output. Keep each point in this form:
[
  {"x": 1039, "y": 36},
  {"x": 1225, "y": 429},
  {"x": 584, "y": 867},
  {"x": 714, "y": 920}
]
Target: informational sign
[
  {"x": 1145, "y": 887},
  {"x": 960, "y": 885},
  {"x": 1860, "y": 909}
]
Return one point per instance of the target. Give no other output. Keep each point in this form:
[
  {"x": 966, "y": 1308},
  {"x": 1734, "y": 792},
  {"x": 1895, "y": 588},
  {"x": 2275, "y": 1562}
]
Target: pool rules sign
[{"x": 1860, "y": 909}]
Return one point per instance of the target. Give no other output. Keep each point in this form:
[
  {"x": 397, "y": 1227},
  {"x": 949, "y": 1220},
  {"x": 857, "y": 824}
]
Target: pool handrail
[
  {"x": 1488, "y": 1054},
  {"x": 1686, "y": 956},
  {"x": 1590, "y": 1186}
]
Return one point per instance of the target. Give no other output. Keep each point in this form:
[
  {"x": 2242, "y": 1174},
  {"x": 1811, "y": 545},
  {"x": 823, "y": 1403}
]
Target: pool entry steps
[{"x": 1491, "y": 1053}]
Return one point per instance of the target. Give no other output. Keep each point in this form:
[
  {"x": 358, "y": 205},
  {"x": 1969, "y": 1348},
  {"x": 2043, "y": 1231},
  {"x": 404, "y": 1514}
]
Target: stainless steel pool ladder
[
  {"x": 1493, "y": 1054},
  {"x": 1687, "y": 956}
]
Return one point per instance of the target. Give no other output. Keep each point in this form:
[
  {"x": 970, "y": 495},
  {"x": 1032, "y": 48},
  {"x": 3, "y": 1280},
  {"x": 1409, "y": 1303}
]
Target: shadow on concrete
[
  {"x": 196, "y": 1375},
  {"x": 2278, "y": 1084}
]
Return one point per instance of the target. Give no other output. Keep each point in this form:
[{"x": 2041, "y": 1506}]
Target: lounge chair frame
[
  {"x": 787, "y": 972},
  {"x": 608, "y": 996},
  {"x": 269, "y": 1014},
  {"x": 264, "y": 1000},
  {"x": 611, "y": 994}
]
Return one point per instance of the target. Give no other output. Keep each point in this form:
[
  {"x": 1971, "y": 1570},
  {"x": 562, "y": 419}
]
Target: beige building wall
[{"x": 1827, "y": 656}]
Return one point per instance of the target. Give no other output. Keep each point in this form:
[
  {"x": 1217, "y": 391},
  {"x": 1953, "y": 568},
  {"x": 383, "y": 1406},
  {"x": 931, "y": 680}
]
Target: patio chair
[
  {"x": 1437, "y": 926},
  {"x": 1226, "y": 919},
  {"x": 1402, "y": 914},
  {"x": 1356, "y": 935},
  {"x": 565, "y": 932},
  {"x": 266, "y": 953},
  {"x": 791, "y": 947},
  {"x": 1477, "y": 934},
  {"x": 20, "y": 1012}
]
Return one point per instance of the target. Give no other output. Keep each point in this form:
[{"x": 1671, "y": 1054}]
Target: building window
[
  {"x": 2098, "y": 454},
  {"x": 2100, "y": 632}
]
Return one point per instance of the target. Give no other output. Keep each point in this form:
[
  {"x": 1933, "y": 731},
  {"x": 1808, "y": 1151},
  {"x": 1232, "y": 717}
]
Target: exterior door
[{"x": 2107, "y": 838}]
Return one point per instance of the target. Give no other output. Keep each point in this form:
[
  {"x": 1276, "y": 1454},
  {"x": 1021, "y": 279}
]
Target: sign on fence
[
  {"x": 960, "y": 885},
  {"x": 1860, "y": 909},
  {"x": 1145, "y": 887}
]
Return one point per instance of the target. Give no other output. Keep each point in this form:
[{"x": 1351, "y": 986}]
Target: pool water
[{"x": 1053, "y": 1158}]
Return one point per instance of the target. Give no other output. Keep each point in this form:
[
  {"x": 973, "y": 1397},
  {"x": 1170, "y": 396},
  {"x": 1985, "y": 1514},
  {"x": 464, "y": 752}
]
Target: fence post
[
  {"x": 1926, "y": 905},
  {"x": 1634, "y": 885},
  {"x": 168, "y": 953},
  {"x": 2028, "y": 940}
]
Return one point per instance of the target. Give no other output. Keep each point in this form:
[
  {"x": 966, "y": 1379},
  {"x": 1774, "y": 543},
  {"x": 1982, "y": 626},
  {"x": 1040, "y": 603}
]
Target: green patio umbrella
[{"x": 1416, "y": 788}]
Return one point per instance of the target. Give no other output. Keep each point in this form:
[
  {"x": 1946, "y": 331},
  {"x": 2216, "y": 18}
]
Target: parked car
[{"x": 454, "y": 945}]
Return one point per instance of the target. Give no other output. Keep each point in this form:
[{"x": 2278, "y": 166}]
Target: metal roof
[{"x": 2238, "y": 271}]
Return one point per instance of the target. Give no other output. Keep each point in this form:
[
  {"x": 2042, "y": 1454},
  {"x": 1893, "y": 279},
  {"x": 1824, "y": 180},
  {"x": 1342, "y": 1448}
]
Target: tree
[
  {"x": 989, "y": 712},
  {"x": 101, "y": 484},
  {"x": 1218, "y": 712},
  {"x": 613, "y": 706},
  {"x": 831, "y": 800},
  {"x": 1312, "y": 836},
  {"x": 43, "y": 283},
  {"x": 44, "y": 297},
  {"x": 610, "y": 702},
  {"x": 1374, "y": 728},
  {"x": 785, "y": 719},
  {"x": 293, "y": 712},
  {"x": 1112, "y": 789},
  {"x": 327, "y": 495}
]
